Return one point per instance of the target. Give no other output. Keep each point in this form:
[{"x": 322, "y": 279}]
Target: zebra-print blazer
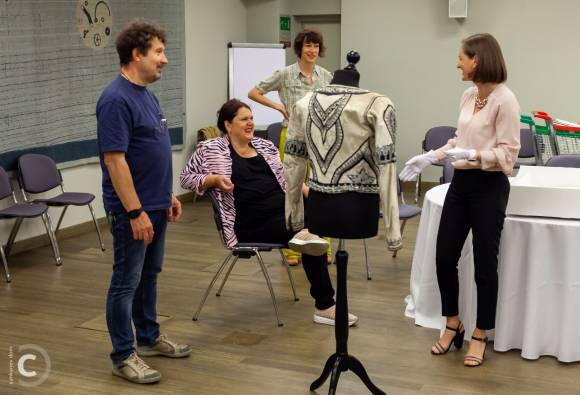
[{"x": 213, "y": 157}]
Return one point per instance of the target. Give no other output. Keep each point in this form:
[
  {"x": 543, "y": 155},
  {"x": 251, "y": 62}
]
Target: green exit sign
[
  {"x": 284, "y": 23},
  {"x": 285, "y": 33}
]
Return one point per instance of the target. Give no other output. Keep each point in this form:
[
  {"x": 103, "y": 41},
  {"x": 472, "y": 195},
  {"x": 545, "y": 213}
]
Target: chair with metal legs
[
  {"x": 38, "y": 174},
  {"x": 367, "y": 267},
  {"x": 406, "y": 212},
  {"x": 435, "y": 138},
  {"x": 243, "y": 251},
  {"x": 20, "y": 211}
]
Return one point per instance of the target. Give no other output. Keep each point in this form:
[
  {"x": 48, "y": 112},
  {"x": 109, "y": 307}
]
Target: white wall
[
  {"x": 209, "y": 26},
  {"x": 409, "y": 52},
  {"x": 313, "y": 7},
  {"x": 262, "y": 20}
]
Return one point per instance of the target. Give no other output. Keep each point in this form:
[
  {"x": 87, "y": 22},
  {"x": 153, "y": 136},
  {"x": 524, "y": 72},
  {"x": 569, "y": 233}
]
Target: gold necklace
[
  {"x": 479, "y": 102},
  {"x": 245, "y": 151}
]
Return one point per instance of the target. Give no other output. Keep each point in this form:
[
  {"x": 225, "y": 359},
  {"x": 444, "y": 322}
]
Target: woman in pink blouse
[{"x": 483, "y": 153}]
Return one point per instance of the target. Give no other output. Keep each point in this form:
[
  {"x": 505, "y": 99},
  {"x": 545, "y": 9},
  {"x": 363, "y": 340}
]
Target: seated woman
[{"x": 248, "y": 176}]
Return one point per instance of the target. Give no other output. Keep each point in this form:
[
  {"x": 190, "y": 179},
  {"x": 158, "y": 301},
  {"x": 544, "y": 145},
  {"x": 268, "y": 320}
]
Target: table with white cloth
[{"x": 538, "y": 309}]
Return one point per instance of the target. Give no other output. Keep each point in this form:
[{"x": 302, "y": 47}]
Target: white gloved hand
[
  {"x": 416, "y": 164},
  {"x": 460, "y": 153}
]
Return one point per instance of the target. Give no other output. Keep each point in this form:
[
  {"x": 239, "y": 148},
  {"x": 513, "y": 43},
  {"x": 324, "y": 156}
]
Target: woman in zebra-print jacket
[{"x": 253, "y": 211}]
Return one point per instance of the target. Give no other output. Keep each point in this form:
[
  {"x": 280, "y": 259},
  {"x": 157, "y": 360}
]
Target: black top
[{"x": 257, "y": 194}]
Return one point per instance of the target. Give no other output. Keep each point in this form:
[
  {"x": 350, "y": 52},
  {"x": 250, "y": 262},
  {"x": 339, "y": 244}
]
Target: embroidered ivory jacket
[{"x": 348, "y": 136}]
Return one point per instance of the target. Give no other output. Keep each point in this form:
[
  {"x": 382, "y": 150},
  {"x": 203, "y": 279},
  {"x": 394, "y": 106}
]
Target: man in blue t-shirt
[{"x": 135, "y": 154}]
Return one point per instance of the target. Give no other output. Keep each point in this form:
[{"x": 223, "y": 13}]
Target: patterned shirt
[
  {"x": 292, "y": 86},
  {"x": 214, "y": 157}
]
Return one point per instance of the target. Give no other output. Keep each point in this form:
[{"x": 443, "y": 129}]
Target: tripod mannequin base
[{"x": 338, "y": 363}]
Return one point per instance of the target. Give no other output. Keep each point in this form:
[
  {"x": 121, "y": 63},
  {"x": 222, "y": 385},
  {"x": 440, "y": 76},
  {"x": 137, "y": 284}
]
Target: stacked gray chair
[
  {"x": 39, "y": 174},
  {"x": 20, "y": 211},
  {"x": 244, "y": 251},
  {"x": 570, "y": 160}
]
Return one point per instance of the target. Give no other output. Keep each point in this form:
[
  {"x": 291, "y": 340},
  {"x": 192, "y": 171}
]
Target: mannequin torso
[{"x": 347, "y": 215}]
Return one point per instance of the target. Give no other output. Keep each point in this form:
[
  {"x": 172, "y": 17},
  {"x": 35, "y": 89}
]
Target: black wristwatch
[{"x": 134, "y": 213}]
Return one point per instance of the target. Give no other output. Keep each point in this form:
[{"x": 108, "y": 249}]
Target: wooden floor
[{"x": 238, "y": 349}]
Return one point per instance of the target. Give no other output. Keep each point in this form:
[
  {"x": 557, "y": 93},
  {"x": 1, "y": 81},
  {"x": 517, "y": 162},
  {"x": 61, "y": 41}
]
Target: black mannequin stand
[
  {"x": 353, "y": 223},
  {"x": 341, "y": 361},
  {"x": 346, "y": 215}
]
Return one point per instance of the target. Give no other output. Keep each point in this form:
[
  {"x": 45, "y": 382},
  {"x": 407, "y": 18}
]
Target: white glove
[
  {"x": 416, "y": 164},
  {"x": 459, "y": 153}
]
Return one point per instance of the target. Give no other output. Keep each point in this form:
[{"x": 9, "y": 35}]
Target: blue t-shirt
[{"x": 130, "y": 120}]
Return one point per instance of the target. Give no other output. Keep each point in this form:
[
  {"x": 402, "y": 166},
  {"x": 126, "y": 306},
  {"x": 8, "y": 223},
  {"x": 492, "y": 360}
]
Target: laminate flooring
[{"x": 237, "y": 347}]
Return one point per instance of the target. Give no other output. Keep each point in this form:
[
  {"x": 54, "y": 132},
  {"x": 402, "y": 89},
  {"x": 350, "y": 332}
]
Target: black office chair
[
  {"x": 243, "y": 251},
  {"x": 20, "y": 211},
  {"x": 435, "y": 138}
]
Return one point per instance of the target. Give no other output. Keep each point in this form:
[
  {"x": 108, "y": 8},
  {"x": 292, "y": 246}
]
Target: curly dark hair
[
  {"x": 139, "y": 34},
  {"x": 228, "y": 112},
  {"x": 308, "y": 36}
]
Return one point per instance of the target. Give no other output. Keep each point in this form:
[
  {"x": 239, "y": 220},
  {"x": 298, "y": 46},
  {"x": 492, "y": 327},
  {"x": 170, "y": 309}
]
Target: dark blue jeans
[{"x": 133, "y": 291}]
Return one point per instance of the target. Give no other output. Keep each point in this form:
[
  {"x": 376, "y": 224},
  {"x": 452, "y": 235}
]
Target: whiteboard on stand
[{"x": 248, "y": 65}]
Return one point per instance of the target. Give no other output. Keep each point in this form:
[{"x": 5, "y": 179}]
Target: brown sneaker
[
  {"x": 326, "y": 317},
  {"x": 307, "y": 243},
  {"x": 136, "y": 370},
  {"x": 164, "y": 346}
]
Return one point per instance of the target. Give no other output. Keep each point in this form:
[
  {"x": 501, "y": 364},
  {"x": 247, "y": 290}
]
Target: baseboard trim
[{"x": 74, "y": 230}]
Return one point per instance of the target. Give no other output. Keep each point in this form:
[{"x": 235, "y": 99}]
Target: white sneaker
[
  {"x": 165, "y": 347},
  {"x": 326, "y": 317},
  {"x": 307, "y": 243},
  {"x": 136, "y": 370}
]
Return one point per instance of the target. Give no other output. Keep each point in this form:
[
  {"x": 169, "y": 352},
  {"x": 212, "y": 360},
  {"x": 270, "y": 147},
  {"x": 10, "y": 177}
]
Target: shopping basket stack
[{"x": 554, "y": 137}]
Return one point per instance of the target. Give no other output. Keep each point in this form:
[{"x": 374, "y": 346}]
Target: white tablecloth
[{"x": 538, "y": 308}]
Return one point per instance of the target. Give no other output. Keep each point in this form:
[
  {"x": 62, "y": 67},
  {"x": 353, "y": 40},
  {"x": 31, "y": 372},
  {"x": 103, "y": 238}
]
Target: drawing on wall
[
  {"x": 94, "y": 21},
  {"x": 57, "y": 56}
]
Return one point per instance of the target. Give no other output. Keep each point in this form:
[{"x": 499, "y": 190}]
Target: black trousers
[
  {"x": 273, "y": 230},
  {"x": 476, "y": 200}
]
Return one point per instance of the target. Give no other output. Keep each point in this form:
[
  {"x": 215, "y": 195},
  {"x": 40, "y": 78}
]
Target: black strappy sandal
[
  {"x": 472, "y": 358},
  {"x": 457, "y": 340}
]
